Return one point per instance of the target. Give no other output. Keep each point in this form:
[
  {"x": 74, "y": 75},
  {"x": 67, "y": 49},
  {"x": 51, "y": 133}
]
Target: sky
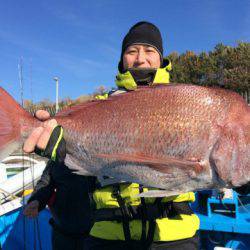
[{"x": 80, "y": 41}]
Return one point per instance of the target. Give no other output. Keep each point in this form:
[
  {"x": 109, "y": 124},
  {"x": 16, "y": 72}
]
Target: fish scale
[{"x": 177, "y": 137}]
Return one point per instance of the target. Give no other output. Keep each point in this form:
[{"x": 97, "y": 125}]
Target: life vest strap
[
  {"x": 154, "y": 211},
  {"x": 125, "y": 216}
]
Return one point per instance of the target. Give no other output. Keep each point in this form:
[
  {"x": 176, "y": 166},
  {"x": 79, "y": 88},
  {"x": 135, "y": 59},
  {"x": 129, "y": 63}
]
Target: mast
[{"x": 20, "y": 74}]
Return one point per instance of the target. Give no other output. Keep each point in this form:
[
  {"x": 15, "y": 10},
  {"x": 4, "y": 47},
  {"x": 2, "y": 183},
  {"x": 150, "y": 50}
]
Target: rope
[
  {"x": 245, "y": 208},
  {"x": 8, "y": 193},
  {"x": 24, "y": 219},
  {"x": 36, "y": 221}
]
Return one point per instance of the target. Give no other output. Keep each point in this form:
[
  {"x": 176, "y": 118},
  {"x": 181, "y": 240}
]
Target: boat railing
[{"x": 26, "y": 177}]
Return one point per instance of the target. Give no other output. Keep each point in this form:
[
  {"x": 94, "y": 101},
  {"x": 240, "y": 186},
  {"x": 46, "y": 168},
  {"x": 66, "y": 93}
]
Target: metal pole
[
  {"x": 57, "y": 91},
  {"x": 20, "y": 69}
]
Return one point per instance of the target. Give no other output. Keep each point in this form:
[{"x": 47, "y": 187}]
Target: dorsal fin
[{"x": 73, "y": 109}]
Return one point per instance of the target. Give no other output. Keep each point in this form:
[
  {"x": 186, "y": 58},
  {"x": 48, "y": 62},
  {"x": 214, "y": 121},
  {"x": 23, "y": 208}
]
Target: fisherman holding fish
[{"x": 122, "y": 220}]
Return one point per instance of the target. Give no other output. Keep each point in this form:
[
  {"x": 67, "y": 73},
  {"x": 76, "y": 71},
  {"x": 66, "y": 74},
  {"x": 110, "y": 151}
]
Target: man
[{"x": 122, "y": 221}]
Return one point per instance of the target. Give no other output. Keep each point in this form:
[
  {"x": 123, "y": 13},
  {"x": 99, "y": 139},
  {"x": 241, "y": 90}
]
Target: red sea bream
[{"x": 178, "y": 137}]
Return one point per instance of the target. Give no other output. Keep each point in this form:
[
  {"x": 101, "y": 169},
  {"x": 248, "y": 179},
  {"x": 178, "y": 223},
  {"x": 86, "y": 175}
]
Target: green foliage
[
  {"x": 51, "y": 107},
  {"x": 225, "y": 66},
  {"x": 46, "y": 104}
]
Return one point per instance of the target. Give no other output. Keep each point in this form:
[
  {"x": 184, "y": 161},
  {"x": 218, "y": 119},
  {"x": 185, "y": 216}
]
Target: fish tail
[{"x": 12, "y": 117}]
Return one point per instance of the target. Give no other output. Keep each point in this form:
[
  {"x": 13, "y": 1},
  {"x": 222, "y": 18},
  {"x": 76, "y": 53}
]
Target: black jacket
[{"x": 73, "y": 206}]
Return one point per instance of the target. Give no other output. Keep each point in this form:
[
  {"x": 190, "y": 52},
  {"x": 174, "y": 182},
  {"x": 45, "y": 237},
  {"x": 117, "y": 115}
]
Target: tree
[{"x": 225, "y": 66}]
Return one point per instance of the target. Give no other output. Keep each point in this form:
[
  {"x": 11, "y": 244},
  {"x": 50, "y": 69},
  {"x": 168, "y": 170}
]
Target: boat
[{"x": 18, "y": 176}]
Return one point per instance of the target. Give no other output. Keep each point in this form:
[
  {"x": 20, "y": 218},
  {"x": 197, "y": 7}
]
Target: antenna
[
  {"x": 56, "y": 79},
  {"x": 31, "y": 82},
  {"x": 20, "y": 70}
]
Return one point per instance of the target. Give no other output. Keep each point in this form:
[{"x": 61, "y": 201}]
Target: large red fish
[{"x": 177, "y": 137}]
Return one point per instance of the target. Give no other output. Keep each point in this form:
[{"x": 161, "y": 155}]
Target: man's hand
[
  {"x": 40, "y": 136},
  {"x": 47, "y": 140},
  {"x": 31, "y": 209}
]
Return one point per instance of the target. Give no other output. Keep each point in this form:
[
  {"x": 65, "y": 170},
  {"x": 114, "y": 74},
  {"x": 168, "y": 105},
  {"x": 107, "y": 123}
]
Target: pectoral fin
[{"x": 165, "y": 165}]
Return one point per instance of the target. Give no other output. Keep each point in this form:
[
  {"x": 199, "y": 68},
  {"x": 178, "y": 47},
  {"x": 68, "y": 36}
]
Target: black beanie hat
[{"x": 142, "y": 33}]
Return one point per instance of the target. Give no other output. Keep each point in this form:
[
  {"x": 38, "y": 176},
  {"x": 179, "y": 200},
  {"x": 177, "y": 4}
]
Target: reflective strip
[{"x": 53, "y": 156}]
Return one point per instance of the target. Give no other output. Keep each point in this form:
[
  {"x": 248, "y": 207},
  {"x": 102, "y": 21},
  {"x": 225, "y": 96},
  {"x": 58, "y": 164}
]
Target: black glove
[{"x": 56, "y": 147}]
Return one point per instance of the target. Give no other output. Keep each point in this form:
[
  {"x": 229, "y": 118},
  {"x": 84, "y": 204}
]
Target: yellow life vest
[
  {"x": 102, "y": 97},
  {"x": 178, "y": 227},
  {"x": 181, "y": 226}
]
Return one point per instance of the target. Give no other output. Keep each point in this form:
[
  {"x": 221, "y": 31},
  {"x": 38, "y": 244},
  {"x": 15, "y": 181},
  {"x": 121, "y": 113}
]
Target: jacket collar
[{"x": 126, "y": 80}]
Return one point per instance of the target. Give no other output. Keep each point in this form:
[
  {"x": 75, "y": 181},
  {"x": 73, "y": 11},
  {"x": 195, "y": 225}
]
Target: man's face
[{"x": 141, "y": 56}]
